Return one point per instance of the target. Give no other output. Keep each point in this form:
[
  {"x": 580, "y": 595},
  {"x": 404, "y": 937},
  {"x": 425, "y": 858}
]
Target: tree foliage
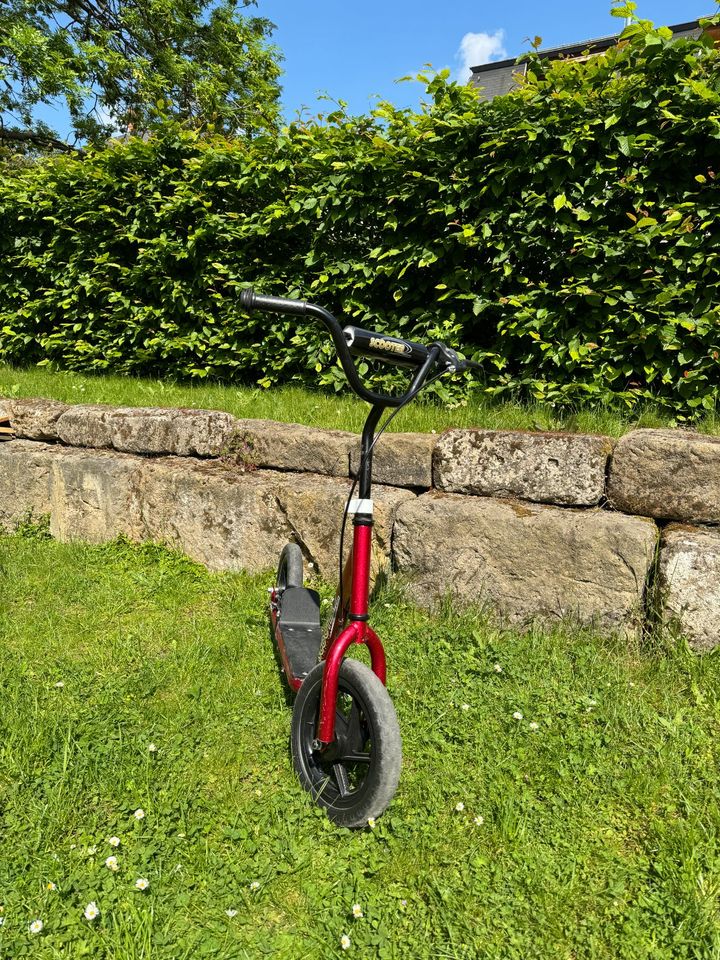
[
  {"x": 122, "y": 64},
  {"x": 565, "y": 235}
]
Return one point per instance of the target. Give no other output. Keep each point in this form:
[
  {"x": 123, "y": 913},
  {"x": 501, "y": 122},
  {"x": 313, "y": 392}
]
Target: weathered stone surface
[
  {"x": 5, "y": 409},
  {"x": 159, "y": 430},
  {"x": 400, "y": 459},
  {"x": 25, "y": 481},
  {"x": 562, "y": 468},
  {"x": 36, "y": 419},
  {"x": 227, "y": 519},
  {"x": 291, "y": 446},
  {"x": 94, "y": 495},
  {"x": 526, "y": 560},
  {"x": 669, "y": 474},
  {"x": 86, "y": 425},
  {"x": 689, "y": 582}
]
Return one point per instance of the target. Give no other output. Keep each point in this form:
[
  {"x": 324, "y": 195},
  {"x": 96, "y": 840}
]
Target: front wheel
[{"x": 356, "y": 777}]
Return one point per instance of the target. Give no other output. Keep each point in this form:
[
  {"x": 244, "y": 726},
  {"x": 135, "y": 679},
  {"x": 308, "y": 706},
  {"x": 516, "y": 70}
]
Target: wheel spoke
[
  {"x": 356, "y": 757},
  {"x": 341, "y": 778}
]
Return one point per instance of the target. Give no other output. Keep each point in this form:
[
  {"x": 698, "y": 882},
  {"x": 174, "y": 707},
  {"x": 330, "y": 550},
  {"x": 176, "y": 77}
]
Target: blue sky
[{"x": 356, "y": 51}]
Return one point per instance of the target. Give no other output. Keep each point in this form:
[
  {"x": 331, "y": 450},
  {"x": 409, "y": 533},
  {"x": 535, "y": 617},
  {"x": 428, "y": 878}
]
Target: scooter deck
[{"x": 299, "y": 624}]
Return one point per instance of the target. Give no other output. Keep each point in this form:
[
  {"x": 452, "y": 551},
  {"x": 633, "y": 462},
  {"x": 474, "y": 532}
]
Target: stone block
[
  {"x": 94, "y": 495},
  {"x": 668, "y": 474},
  {"x": 689, "y": 583},
  {"x": 291, "y": 446},
  {"x": 160, "y": 430},
  {"x": 526, "y": 560},
  {"x": 34, "y": 418},
  {"x": 25, "y": 481},
  {"x": 400, "y": 459},
  {"x": 561, "y": 468},
  {"x": 86, "y": 425}
]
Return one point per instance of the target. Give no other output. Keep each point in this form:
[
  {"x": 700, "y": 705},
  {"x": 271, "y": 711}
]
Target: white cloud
[{"x": 476, "y": 49}]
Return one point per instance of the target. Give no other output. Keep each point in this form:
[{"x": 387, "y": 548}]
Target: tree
[{"x": 119, "y": 65}]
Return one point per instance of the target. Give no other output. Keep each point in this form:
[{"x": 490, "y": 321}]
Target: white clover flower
[
  {"x": 255, "y": 885},
  {"x": 59, "y": 685},
  {"x": 139, "y": 813},
  {"x": 497, "y": 668},
  {"x": 371, "y": 822},
  {"x": 465, "y": 706},
  {"x": 478, "y": 820},
  {"x": 114, "y": 841},
  {"x": 141, "y": 883},
  {"x": 345, "y": 941},
  {"x": 91, "y": 911},
  {"x": 231, "y": 913},
  {"x": 112, "y": 864},
  {"x": 152, "y": 748},
  {"x": 357, "y": 911},
  {"x": 459, "y": 806},
  {"x": 517, "y": 715},
  {"x": 534, "y": 725},
  {"x": 36, "y": 926}
]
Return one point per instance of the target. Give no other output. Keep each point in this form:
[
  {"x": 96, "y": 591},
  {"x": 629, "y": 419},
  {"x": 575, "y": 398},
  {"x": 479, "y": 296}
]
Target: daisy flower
[
  {"x": 345, "y": 941},
  {"x": 231, "y": 913},
  {"x": 36, "y": 926},
  {"x": 517, "y": 715},
  {"x": 139, "y": 814},
  {"x": 91, "y": 911},
  {"x": 459, "y": 806},
  {"x": 357, "y": 911},
  {"x": 497, "y": 668},
  {"x": 534, "y": 725},
  {"x": 255, "y": 885},
  {"x": 112, "y": 864},
  {"x": 114, "y": 841},
  {"x": 152, "y": 748},
  {"x": 371, "y": 822},
  {"x": 52, "y": 886},
  {"x": 141, "y": 883},
  {"x": 478, "y": 820}
]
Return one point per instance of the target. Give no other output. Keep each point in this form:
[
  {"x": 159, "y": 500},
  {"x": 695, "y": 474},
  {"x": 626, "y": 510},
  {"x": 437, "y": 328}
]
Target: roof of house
[{"x": 575, "y": 49}]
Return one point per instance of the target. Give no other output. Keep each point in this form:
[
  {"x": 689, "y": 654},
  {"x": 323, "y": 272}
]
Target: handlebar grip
[{"x": 254, "y": 301}]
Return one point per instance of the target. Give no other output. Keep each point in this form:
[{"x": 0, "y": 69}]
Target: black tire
[
  {"x": 352, "y": 791},
  {"x": 290, "y": 568}
]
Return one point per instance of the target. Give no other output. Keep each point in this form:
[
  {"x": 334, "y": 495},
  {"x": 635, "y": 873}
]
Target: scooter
[{"x": 345, "y": 738}]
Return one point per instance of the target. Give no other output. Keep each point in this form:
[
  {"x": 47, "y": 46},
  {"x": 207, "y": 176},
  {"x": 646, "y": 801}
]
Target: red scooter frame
[{"x": 356, "y": 585}]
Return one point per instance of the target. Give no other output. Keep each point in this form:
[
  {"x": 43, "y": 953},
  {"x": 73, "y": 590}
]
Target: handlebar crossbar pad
[
  {"x": 379, "y": 346},
  {"x": 253, "y": 301}
]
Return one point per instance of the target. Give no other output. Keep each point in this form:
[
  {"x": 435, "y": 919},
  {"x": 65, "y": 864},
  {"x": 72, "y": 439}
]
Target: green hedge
[{"x": 566, "y": 235}]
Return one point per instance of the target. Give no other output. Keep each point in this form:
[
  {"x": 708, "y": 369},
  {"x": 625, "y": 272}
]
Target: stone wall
[{"x": 537, "y": 525}]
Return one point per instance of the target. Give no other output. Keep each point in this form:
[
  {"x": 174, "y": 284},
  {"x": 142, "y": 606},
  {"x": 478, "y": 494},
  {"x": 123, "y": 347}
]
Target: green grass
[
  {"x": 601, "y": 828},
  {"x": 315, "y": 408}
]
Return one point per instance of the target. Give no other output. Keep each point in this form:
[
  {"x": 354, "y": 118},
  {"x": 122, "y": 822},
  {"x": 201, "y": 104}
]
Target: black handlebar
[{"x": 356, "y": 341}]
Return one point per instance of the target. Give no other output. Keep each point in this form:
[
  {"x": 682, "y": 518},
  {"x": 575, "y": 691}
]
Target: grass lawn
[
  {"x": 315, "y": 408},
  {"x": 597, "y": 833}
]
